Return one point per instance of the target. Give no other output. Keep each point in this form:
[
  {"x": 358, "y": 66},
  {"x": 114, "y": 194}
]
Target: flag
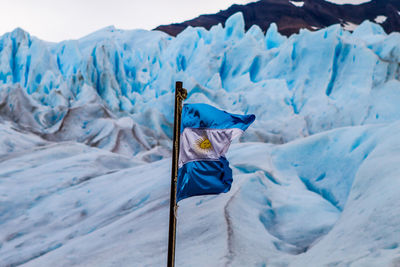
[{"x": 206, "y": 134}]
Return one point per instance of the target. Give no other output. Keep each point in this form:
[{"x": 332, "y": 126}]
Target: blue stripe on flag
[
  {"x": 203, "y": 178},
  {"x": 206, "y": 116}
]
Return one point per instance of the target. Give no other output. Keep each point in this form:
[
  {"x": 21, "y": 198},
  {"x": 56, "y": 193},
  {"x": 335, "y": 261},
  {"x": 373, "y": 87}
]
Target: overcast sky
[{"x": 56, "y": 20}]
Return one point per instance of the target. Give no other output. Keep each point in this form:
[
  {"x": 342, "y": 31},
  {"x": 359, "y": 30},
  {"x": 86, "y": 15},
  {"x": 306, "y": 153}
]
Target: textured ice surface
[
  {"x": 327, "y": 199},
  {"x": 315, "y": 178}
]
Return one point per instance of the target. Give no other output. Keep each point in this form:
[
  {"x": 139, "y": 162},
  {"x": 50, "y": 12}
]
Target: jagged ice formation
[
  {"x": 315, "y": 179},
  {"x": 113, "y": 89}
]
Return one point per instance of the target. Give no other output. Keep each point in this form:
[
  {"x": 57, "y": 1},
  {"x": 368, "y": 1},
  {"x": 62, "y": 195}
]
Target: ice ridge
[{"x": 123, "y": 81}]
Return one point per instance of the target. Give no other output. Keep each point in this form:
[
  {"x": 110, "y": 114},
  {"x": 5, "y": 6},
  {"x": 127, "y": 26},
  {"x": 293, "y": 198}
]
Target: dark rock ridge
[{"x": 290, "y": 18}]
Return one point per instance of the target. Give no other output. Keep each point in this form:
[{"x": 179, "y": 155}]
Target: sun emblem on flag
[{"x": 203, "y": 144}]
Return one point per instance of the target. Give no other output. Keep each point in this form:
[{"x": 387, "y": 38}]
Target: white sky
[{"x": 56, "y": 20}]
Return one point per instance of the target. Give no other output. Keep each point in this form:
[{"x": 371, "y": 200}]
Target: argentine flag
[{"x": 206, "y": 134}]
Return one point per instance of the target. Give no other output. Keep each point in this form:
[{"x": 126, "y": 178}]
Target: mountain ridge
[{"x": 291, "y": 17}]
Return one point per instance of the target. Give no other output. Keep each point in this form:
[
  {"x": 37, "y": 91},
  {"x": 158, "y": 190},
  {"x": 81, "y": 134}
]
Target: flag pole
[{"x": 180, "y": 95}]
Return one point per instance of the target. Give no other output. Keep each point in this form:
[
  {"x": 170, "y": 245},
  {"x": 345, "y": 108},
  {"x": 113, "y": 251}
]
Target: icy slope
[
  {"x": 89, "y": 207},
  {"x": 123, "y": 82}
]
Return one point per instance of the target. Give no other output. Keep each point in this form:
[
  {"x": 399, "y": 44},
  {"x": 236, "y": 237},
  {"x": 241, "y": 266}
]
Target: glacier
[
  {"x": 86, "y": 128},
  {"x": 123, "y": 82}
]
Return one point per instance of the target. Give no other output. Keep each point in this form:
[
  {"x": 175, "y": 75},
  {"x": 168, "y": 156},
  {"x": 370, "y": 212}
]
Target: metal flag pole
[{"x": 180, "y": 95}]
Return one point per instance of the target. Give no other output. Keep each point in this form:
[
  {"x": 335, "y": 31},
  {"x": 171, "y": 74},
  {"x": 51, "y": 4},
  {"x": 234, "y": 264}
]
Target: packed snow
[
  {"x": 380, "y": 19},
  {"x": 86, "y": 128},
  {"x": 348, "y": 2},
  {"x": 296, "y": 3}
]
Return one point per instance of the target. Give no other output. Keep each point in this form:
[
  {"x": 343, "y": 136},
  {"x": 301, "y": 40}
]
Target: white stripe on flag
[{"x": 205, "y": 144}]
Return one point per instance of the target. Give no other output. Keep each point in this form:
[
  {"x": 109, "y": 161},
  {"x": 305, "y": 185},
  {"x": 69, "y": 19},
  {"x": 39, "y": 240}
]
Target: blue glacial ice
[
  {"x": 297, "y": 86},
  {"x": 86, "y": 128}
]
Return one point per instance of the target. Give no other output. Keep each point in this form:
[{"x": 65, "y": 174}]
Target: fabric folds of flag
[{"x": 206, "y": 134}]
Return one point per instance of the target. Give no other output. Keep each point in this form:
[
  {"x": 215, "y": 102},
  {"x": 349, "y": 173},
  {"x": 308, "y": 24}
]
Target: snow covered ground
[
  {"x": 348, "y": 2},
  {"x": 329, "y": 199},
  {"x": 85, "y": 129}
]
